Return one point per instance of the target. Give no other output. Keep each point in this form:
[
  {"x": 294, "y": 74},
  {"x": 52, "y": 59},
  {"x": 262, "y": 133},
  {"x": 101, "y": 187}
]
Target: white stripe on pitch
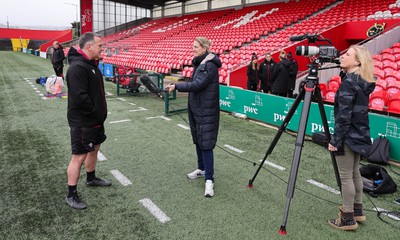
[
  {"x": 122, "y": 99},
  {"x": 121, "y": 178},
  {"x": 183, "y": 126},
  {"x": 108, "y": 94},
  {"x": 233, "y": 148},
  {"x": 38, "y": 91},
  {"x": 44, "y": 98},
  {"x": 385, "y": 213},
  {"x": 156, "y": 211},
  {"x": 162, "y": 117},
  {"x": 132, "y": 104},
  {"x": 274, "y": 165},
  {"x": 139, "y": 109},
  {"x": 323, "y": 186},
  {"x": 121, "y": 121},
  {"x": 100, "y": 156}
]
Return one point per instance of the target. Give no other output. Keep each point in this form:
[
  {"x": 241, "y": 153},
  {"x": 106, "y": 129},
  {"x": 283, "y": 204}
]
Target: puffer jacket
[
  {"x": 203, "y": 100},
  {"x": 281, "y": 76},
  {"x": 351, "y": 115},
  {"x": 87, "y": 104}
]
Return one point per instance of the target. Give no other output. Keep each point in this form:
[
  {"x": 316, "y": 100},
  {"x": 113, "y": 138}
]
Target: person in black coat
[
  {"x": 252, "y": 74},
  {"x": 281, "y": 76},
  {"x": 293, "y": 74},
  {"x": 57, "y": 59},
  {"x": 87, "y": 111},
  {"x": 265, "y": 73},
  {"x": 203, "y": 109}
]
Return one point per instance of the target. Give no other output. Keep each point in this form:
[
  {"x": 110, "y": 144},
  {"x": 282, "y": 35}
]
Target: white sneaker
[
  {"x": 196, "y": 174},
  {"x": 209, "y": 189}
]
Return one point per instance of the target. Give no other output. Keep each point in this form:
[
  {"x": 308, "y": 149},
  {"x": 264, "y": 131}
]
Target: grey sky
[{"x": 36, "y": 13}]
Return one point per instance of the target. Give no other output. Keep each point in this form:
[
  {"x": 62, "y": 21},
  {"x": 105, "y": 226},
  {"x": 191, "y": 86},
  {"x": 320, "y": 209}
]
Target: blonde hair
[
  {"x": 204, "y": 42},
  {"x": 366, "y": 67},
  {"x": 282, "y": 54}
]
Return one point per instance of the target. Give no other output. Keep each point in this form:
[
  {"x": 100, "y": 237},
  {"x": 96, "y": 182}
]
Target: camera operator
[
  {"x": 351, "y": 137},
  {"x": 265, "y": 73},
  {"x": 281, "y": 76}
]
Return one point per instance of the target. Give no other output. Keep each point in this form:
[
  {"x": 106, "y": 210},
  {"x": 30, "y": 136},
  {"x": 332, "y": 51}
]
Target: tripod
[{"x": 310, "y": 87}]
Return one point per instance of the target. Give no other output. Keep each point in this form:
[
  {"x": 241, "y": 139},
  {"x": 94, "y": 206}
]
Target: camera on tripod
[{"x": 326, "y": 53}]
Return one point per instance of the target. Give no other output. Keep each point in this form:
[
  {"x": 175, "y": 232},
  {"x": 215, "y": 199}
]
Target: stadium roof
[{"x": 148, "y": 4}]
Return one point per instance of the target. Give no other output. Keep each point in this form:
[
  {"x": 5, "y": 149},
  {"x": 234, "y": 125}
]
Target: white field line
[
  {"x": 108, "y": 94},
  {"x": 233, "y": 148},
  {"x": 38, "y": 91},
  {"x": 274, "y": 165},
  {"x": 156, "y": 211},
  {"x": 44, "y": 98},
  {"x": 323, "y": 186},
  {"x": 122, "y": 99},
  {"x": 183, "y": 126},
  {"x": 389, "y": 215},
  {"x": 132, "y": 104},
  {"x": 139, "y": 109},
  {"x": 161, "y": 117},
  {"x": 100, "y": 156},
  {"x": 121, "y": 178},
  {"x": 121, "y": 121}
]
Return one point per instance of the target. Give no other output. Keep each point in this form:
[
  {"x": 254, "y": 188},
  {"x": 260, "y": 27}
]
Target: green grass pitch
[{"x": 155, "y": 154}]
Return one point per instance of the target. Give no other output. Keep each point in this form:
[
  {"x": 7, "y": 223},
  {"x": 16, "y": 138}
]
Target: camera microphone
[{"x": 298, "y": 38}]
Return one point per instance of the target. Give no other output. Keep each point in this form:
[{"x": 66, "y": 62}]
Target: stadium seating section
[{"x": 165, "y": 45}]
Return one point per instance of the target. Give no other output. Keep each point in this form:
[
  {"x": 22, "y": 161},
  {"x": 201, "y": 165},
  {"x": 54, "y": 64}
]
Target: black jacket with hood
[
  {"x": 281, "y": 76},
  {"x": 87, "y": 106},
  {"x": 203, "y": 100},
  {"x": 58, "y": 57},
  {"x": 351, "y": 115},
  {"x": 266, "y": 71}
]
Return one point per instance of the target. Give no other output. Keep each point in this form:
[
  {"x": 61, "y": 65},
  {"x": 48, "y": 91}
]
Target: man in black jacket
[
  {"x": 87, "y": 111},
  {"x": 57, "y": 59},
  {"x": 265, "y": 72}
]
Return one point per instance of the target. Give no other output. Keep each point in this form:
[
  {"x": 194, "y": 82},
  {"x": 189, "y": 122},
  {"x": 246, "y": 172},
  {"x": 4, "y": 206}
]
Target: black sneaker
[
  {"x": 98, "y": 182},
  {"x": 75, "y": 202}
]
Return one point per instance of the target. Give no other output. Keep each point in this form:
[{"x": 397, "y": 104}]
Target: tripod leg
[
  {"x": 278, "y": 134},
  {"x": 327, "y": 135},
  {"x": 309, "y": 88}
]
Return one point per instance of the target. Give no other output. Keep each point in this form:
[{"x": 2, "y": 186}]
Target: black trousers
[{"x": 59, "y": 72}]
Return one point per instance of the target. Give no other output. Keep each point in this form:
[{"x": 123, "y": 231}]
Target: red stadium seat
[
  {"x": 378, "y": 100},
  {"x": 330, "y": 97},
  {"x": 379, "y": 73},
  {"x": 394, "y": 107}
]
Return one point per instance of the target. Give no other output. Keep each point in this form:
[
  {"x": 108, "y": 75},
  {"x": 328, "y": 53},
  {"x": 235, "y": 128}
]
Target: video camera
[{"x": 326, "y": 53}]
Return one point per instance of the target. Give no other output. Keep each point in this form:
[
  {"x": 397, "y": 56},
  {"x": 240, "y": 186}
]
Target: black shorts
[{"x": 84, "y": 139}]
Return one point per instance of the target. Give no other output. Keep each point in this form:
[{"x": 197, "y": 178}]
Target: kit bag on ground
[
  {"x": 54, "y": 84},
  {"x": 319, "y": 138},
  {"x": 379, "y": 151},
  {"x": 376, "y": 180}
]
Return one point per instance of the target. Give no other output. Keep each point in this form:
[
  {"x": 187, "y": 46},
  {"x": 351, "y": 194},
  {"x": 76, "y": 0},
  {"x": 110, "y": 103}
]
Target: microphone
[{"x": 298, "y": 37}]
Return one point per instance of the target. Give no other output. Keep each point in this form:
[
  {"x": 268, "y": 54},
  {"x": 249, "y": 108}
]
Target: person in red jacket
[{"x": 87, "y": 111}]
